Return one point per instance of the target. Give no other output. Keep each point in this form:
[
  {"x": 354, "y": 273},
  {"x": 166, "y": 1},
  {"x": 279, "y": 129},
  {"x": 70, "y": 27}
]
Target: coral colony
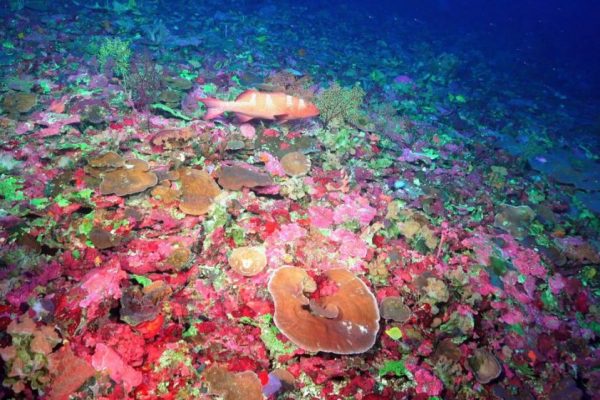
[{"x": 201, "y": 200}]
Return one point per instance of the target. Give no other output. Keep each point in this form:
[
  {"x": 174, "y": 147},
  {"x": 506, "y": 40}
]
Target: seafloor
[{"x": 433, "y": 234}]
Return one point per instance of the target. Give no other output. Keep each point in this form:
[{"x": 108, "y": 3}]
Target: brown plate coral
[
  {"x": 345, "y": 322},
  {"x": 199, "y": 191}
]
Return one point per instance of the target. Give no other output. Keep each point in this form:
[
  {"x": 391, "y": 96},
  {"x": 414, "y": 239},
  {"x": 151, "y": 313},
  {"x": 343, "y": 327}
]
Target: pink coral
[
  {"x": 528, "y": 262},
  {"x": 320, "y": 217},
  {"x": 512, "y": 317},
  {"x": 427, "y": 383},
  {"x": 272, "y": 164},
  {"x": 482, "y": 247},
  {"x": 556, "y": 283},
  {"x": 248, "y": 131},
  {"x": 356, "y": 208},
  {"x": 54, "y": 123},
  {"x": 100, "y": 284},
  {"x": 290, "y": 233},
  {"x": 106, "y": 359},
  {"x": 351, "y": 245},
  {"x": 121, "y": 338}
]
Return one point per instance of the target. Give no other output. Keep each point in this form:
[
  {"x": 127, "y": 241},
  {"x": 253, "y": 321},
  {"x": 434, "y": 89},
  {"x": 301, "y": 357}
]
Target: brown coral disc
[
  {"x": 394, "y": 308},
  {"x": 485, "y": 366},
  {"x": 295, "y": 164},
  {"x": 109, "y": 160},
  {"x": 236, "y": 178},
  {"x": 248, "y": 261},
  {"x": 198, "y": 191},
  {"x": 233, "y": 386},
  {"x": 134, "y": 177}
]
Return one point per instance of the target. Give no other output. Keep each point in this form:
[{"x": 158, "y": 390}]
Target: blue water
[{"x": 558, "y": 41}]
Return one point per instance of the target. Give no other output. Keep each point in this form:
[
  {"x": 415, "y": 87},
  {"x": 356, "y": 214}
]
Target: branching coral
[
  {"x": 340, "y": 105},
  {"x": 114, "y": 55},
  {"x": 143, "y": 81}
]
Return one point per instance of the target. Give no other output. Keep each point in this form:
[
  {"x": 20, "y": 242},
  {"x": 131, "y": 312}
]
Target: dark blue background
[{"x": 556, "y": 40}]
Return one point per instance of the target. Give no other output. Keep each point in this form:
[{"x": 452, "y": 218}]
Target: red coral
[
  {"x": 582, "y": 302},
  {"x": 243, "y": 364},
  {"x": 321, "y": 370},
  {"x": 149, "y": 329},
  {"x": 363, "y": 382}
]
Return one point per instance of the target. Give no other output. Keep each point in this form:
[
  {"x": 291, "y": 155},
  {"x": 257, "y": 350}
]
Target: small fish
[{"x": 254, "y": 104}]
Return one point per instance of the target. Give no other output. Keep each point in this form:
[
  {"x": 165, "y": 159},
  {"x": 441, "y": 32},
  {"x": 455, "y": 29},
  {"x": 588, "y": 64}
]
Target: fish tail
[{"x": 214, "y": 107}]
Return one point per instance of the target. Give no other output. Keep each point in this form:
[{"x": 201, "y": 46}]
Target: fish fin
[
  {"x": 246, "y": 95},
  {"x": 281, "y": 118},
  {"x": 243, "y": 118},
  {"x": 214, "y": 107}
]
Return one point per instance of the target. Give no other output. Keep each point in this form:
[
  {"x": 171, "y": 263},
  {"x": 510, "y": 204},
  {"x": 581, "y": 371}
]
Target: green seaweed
[
  {"x": 171, "y": 111},
  {"x": 395, "y": 367},
  {"x": 268, "y": 334},
  {"x": 10, "y": 188}
]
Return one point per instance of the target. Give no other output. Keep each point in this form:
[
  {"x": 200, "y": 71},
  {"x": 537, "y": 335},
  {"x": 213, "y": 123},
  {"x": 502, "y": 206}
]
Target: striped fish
[{"x": 254, "y": 104}]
